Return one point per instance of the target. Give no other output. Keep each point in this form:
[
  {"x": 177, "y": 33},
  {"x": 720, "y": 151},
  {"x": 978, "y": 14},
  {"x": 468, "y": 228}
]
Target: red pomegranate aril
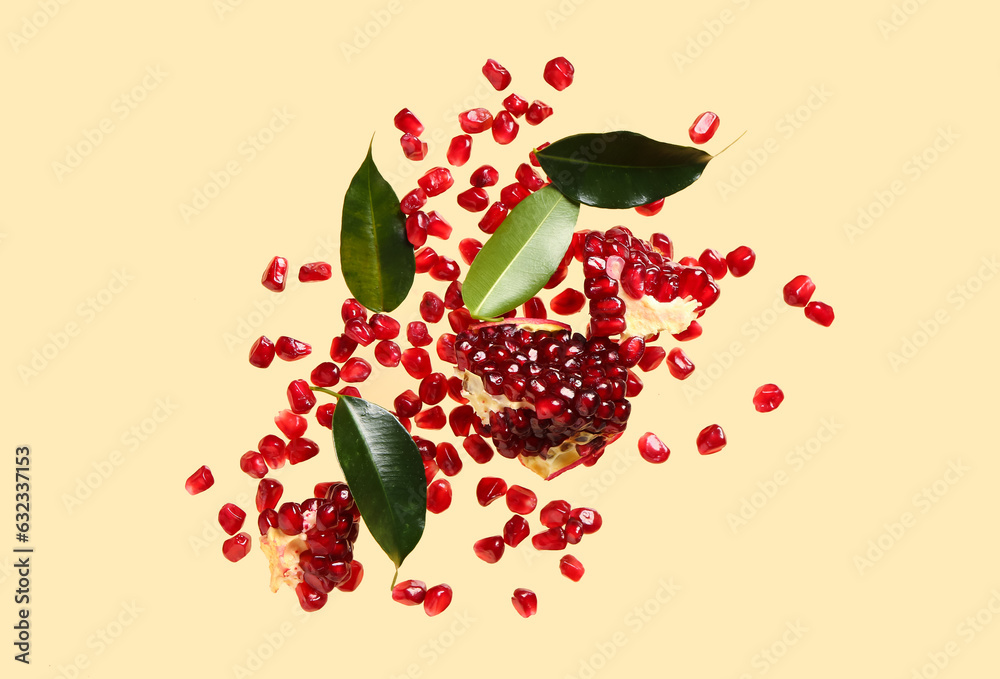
[
  {"x": 652, "y": 449},
  {"x": 454, "y": 383},
  {"x": 459, "y": 319},
  {"x": 409, "y": 592},
  {"x": 521, "y": 500},
  {"x": 662, "y": 244},
  {"x": 571, "y": 567},
  {"x": 604, "y": 327},
  {"x": 558, "y": 73},
  {"x": 356, "y": 370},
  {"x": 551, "y": 539},
  {"x": 574, "y": 531},
  {"x": 384, "y": 327},
  {"x": 237, "y": 547},
  {"x": 290, "y": 518},
  {"x": 525, "y": 602},
  {"x": 252, "y": 464},
  {"x": 350, "y": 391},
  {"x": 405, "y": 121},
  {"x": 537, "y": 112},
  {"x": 714, "y": 263},
  {"x": 512, "y": 194},
  {"x": 200, "y": 481},
  {"x": 438, "y": 226},
  {"x": 430, "y": 470},
  {"x": 445, "y": 269},
  {"x": 650, "y": 209},
  {"x": 567, "y": 302},
  {"x": 633, "y": 385},
  {"x": 554, "y": 514},
  {"x": 651, "y": 358},
  {"x": 484, "y": 176},
  {"x": 689, "y": 261},
  {"x": 703, "y": 128},
  {"x": 504, "y": 128},
  {"x": 416, "y": 331},
  {"x": 711, "y": 439},
  {"x": 267, "y": 519},
  {"x": 678, "y": 363},
  {"x": 517, "y": 106},
  {"x": 459, "y": 150},
  {"x": 767, "y": 398},
  {"x": 359, "y": 331},
  {"x": 300, "y": 397},
  {"x": 468, "y": 248},
  {"x": 231, "y": 518},
  {"x": 431, "y": 308},
  {"x": 262, "y": 352},
  {"x": 387, "y": 353},
  {"x": 275, "y": 275},
  {"x": 515, "y": 531},
  {"x": 425, "y": 447},
  {"x": 324, "y": 415},
  {"x": 407, "y": 404},
  {"x": 821, "y": 313},
  {"x": 310, "y": 599},
  {"x": 272, "y": 448},
  {"x": 413, "y": 201},
  {"x": 341, "y": 348},
  {"x": 300, "y": 450},
  {"x": 436, "y": 181},
  {"x": 693, "y": 332},
  {"x": 433, "y": 388},
  {"x": 493, "y": 218},
  {"x": 291, "y": 425},
  {"x": 631, "y": 350},
  {"x": 590, "y": 519},
  {"x": 534, "y": 308},
  {"x": 489, "y": 549},
  {"x": 416, "y": 228},
  {"x": 532, "y": 158},
  {"x": 268, "y": 493},
  {"x": 741, "y": 261},
  {"x": 460, "y": 420},
  {"x": 453, "y": 296},
  {"x": 315, "y": 271},
  {"x": 490, "y": 489},
  {"x": 475, "y": 120},
  {"x": 417, "y": 363},
  {"x": 352, "y": 308},
  {"x": 425, "y": 259},
  {"x": 477, "y": 448},
  {"x": 447, "y": 459},
  {"x": 798, "y": 291},
  {"x": 438, "y": 496},
  {"x": 432, "y": 418},
  {"x": 437, "y": 599},
  {"x": 413, "y": 148},
  {"x": 498, "y": 76},
  {"x": 354, "y": 579},
  {"x": 326, "y": 374}
]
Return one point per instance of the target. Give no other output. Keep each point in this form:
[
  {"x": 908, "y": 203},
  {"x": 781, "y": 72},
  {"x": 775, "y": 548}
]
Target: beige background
[{"x": 867, "y": 543}]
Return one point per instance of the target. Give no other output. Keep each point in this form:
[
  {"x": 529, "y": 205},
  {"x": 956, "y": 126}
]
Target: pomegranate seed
[
  {"x": 713, "y": 263},
  {"x": 652, "y": 449},
  {"x": 288, "y": 349},
  {"x": 633, "y": 385},
  {"x": 534, "y": 308},
  {"x": 417, "y": 363},
  {"x": 767, "y": 398},
  {"x": 405, "y": 121},
  {"x": 359, "y": 331},
  {"x": 352, "y": 308},
  {"x": 689, "y": 261},
  {"x": 631, "y": 350},
  {"x": 433, "y": 388},
  {"x": 797, "y": 292},
  {"x": 437, "y": 599},
  {"x": 413, "y": 148},
  {"x": 325, "y": 375},
  {"x": 711, "y": 439},
  {"x": 438, "y": 496},
  {"x": 590, "y": 519},
  {"x": 272, "y": 449},
  {"x": 237, "y": 547},
  {"x": 300, "y": 450},
  {"x": 432, "y": 418},
  {"x": 651, "y": 358},
  {"x": 489, "y": 489},
  {"x": 315, "y": 271},
  {"x": 413, "y": 201},
  {"x": 821, "y": 313},
  {"x": 354, "y": 579},
  {"x": 662, "y": 244},
  {"x": 520, "y": 500},
  {"x": 551, "y": 539},
  {"x": 430, "y": 469},
  {"x": 300, "y": 397},
  {"x": 387, "y": 353},
  {"x": 445, "y": 269},
  {"x": 515, "y": 531},
  {"x": 517, "y": 106},
  {"x": 384, "y": 327},
  {"x": 266, "y": 520},
  {"x": 436, "y": 181},
  {"x": 231, "y": 518},
  {"x": 498, "y": 76},
  {"x": 741, "y": 261},
  {"x": 416, "y": 332},
  {"x": 291, "y": 425},
  {"x": 252, "y": 463},
  {"x": 324, "y": 415},
  {"x": 512, "y": 194},
  {"x": 431, "y": 308},
  {"x": 527, "y": 177},
  {"x": 554, "y": 514},
  {"x": 262, "y": 352},
  {"x": 493, "y": 218},
  {"x": 574, "y": 531},
  {"x": 678, "y": 363},
  {"x": 453, "y": 296},
  {"x": 445, "y": 347},
  {"x": 200, "y": 481},
  {"x": 571, "y": 567},
  {"x": 268, "y": 493},
  {"x": 290, "y": 518},
  {"x": 484, "y": 176},
  {"x": 350, "y": 391},
  {"x": 478, "y": 449},
  {"x": 356, "y": 370},
  {"x": 532, "y": 158},
  {"x": 693, "y": 332},
  {"x": 459, "y": 150},
  {"x": 416, "y": 229},
  {"x": 489, "y": 549},
  {"x": 469, "y": 248},
  {"x": 454, "y": 383},
  {"x": 425, "y": 259},
  {"x": 275, "y": 274},
  {"x": 567, "y": 302},
  {"x": 537, "y": 112},
  {"x": 447, "y": 458},
  {"x": 459, "y": 319},
  {"x": 438, "y": 226},
  {"x": 426, "y": 448},
  {"x": 558, "y": 73},
  {"x": 407, "y": 404},
  {"x": 341, "y": 348},
  {"x": 460, "y": 419},
  {"x": 703, "y": 128},
  {"x": 525, "y": 602},
  {"x": 310, "y": 599},
  {"x": 650, "y": 209},
  {"x": 475, "y": 120},
  {"x": 504, "y": 128}
]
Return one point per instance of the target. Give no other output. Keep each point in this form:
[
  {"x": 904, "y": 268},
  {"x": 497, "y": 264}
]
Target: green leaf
[
  {"x": 376, "y": 258},
  {"x": 382, "y": 466},
  {"x": 620, "y": 169},
  {"x": 518, "y": 260}
]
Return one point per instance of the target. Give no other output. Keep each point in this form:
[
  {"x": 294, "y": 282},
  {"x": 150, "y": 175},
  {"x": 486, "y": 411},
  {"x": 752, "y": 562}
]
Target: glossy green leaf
[
  {"x": 383, "y": 467},
  {"x": 376, "y": 258},
  {"x": 520, "y": 257},
  {"x": 620, "y": 169}
]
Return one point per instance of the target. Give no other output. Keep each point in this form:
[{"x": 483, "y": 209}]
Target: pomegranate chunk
[
  {"x": 821, "y": 313},
  {"x": 652, "y": 449},
  {"x": 438, "y": 496},
  {"x": 405, "y": 121},
  {"x": 475, "y": 120},
  {"x": 711, "y": 439},
  {"x": 797, "y": 292},
  {"x": 315, "y": 271},
  {"x": 489, "y": 489},
  {"x": 498, "y": 76},
  {"x": 288, "y": 349},
  {"x": 200, "y": 481},
  {"x": 489, "y": 549},
  {"x": 521, "y": 500},
  {"x": 459, "y": 150},
  {"x": 558, "y": 73},
  {"x": 571, "y": 567},
  {"x": 237, "y": 547},
  {"x": 437, "y": 599},
  {"x": 767, "y": 398},
  {"x": 262, "y": 352},
  {"x": 275, "y": 274},
  {"x": 525, "y": 602},
  {"x": 703, "y": 128}
]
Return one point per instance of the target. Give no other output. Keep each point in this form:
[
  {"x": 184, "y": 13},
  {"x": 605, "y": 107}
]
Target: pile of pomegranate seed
[{"x": 526, "y": 388}]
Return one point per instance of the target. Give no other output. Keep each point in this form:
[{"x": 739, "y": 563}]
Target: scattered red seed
[
  {"x": 459, "y": 150},
  {"x": 534, "y": 308},
  {"x": 354, "y": 579},
  {"x": 359, "y": 331},
  {"x": 525, "y": 602},
  {"x": 416, "y": 228},
  {"x": 741, "y": 261},
  {"x": 262, "y": 352},
  {"x": 460, "y": 420},
  {"x": 275, "y": 274},
  {"x": 437, "y": 599},
  {"x": 478, "y": 449},
  {"x": 433, "y": 388},
  {"x": 405, "y": 121},
  {"x": 300, "y": 397},
  {"x": 521, "y": 500},
  {"x": 693, "y": 332},
  {"x": 438, "y": 496},
  {"x": 493, "y": 218},
  {"x": 288, "y": 349},
  {"x": 454, "y": 383},
  {"x": 341, "y": 348},
  {"x": 417, "y": 363},
  {"x": 798, "y": 291},
  {"x": 767, "y": 398},
  {"x": 567, "y": 302},
  {"x": 678, "y": 363},
  {"x": 498, "y": 76},
  {"x": 552, "y": 539},
  {"x": 291, "y": 425},
  {"x": 387, "y": 353},
  {"x": 300, "y": 450},
  {"x": 413, "y": 201},
  {"x": 652, "y": 449},
  {"x": 504, "y": 128},
  {"x": 490, "y": 489},
  {"x": 324, "y": 415},
  {"x": 436, "y": 181},
  {"x": 425, "y": 258},
  {"x": 489, "y": 549},
  {"x": 633, "y": 385},
  {"x": 703, "y": 128},
  {"x": 714, "y": 263},
  {"x": 537, "y": 112},
  {"x": 821, "y": 313},
  {"x": 571, "y": 567},
  {"x": 650, "y": 209},
  {"x": 651, "y": 358},
  {"x": 468, "y": 248},
  {"x": 326, "y": 374},
  {"x": 237, "y": 547},
  {"x": 200, "y": 481},
  {"x": 438, "y": 226},
  {"x": 590, "y": 519},
  {"x": 410, "y": 592},
  {"x": 554, "y": 514},
  {"x": 252, "y": 463},
  {"x": 407, "y": 404},
  {"x": 315, "y": 271},
  {"x": 310, "y": 599},
  {"x": 475, "y": 120},
  {"x": 445, "y": 269},
  {"x": 528, "y": 178},
  {"x": 515, "y": 531},
  {"x": 474, "y": 200},
  {"x": 711, "y": 439},
  {"x": 559, "y": 73},
  {"x": 453, "y": 296},
  {"x": 231, "y": 518},
  {"x": 484, "y": 176},
  {"x": 516, "y": 105},
  {"x": 413, "y": 148},
  {"x": 268, "y": 493},
  {"x": 447, "y": 458},
  {"x": 272, "y": 448},
  {"x": 432, "y": 418}
]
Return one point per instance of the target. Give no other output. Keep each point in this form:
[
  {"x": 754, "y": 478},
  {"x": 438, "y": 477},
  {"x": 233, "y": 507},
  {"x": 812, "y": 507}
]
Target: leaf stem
[
  {"x": 394, "y": 576},
  {"x": 326, "y": 391},
  {"x": 730, "y": 144}
]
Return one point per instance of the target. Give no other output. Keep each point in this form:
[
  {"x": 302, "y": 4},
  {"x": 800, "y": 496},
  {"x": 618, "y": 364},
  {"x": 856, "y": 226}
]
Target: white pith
[
  {"x": 282, "y": 552},
  {"x": 647, "y": 316}
]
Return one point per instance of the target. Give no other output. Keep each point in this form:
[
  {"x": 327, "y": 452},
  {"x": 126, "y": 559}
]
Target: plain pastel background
[{"x": 849, "y": 533}]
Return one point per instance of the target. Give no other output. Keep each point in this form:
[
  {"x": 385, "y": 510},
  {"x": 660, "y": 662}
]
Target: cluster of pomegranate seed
[
  {"x": 415, "y": 592},
  {"x": 798, "y": 291}
]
